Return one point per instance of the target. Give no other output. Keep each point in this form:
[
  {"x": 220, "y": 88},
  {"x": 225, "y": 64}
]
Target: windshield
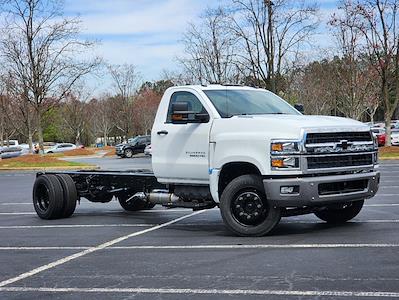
[
  {"x": 133, "y": 141},
  {"x": 248, "y": 102}
]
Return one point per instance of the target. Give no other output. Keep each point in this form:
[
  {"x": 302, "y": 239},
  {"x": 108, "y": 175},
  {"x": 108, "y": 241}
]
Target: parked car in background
[
  {"x": 11, "y": 143},
  {"x": 379, "y": 133},
  {"x": 148, "y": 150},
  {"x": 135, "y": 146},
  {"x": 395, "y": 137},
  {"x": 10, "y": 152},
  {"x": 57, "y": 148}
]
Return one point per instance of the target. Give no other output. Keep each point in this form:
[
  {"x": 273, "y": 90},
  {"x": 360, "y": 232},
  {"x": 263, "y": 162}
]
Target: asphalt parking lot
[{"x": 102, "y": 252}]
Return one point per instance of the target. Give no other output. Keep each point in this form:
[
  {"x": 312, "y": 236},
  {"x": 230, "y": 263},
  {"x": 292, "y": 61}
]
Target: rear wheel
[
  {"x": 134, "y": 204},
  {"x": 245, "y": 209},
  {"x": 340, "y": 213},
  {"x": 128, "y": 153},
  {"x": 70, "y": 195},
  {"x": 48, "y": 198}
]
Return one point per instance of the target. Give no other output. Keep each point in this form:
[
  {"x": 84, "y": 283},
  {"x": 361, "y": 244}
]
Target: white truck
[{"x": 242, "y": 149}]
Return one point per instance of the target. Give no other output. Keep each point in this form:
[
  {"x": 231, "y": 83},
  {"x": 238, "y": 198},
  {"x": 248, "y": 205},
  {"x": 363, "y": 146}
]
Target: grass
[
  {"x": 391, "y": 152},
  {"x": 80, "y": 152},
  {"x": 37, "y": 161}
]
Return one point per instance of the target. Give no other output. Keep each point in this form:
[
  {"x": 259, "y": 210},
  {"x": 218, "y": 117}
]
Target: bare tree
[
  {"x": 102, "y": 123},
  {"x": 125, "y": 81},
  {"x": 19, "y": 112},
  {"x": 315, "y": 87},
  {"x": 211, "y": 49},
  {"x": 146, "y": 108},
  {"x": 40, "y": 49},
  {"x": 378, "y": 22},
  {"x": 75, "y": 113},
  {"x": 271, "y": 34},
  {"x": 353, "y": 72}
]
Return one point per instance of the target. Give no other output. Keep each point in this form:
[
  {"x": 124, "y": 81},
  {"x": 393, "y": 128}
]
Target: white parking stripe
[
  {"x": 382, "y": 205},
  {"x": 106, "y": 212},
  {"x": 352, "y": 221},
  {"x": 215, "y": 247},
  {"x": 16, "y": 213},
  {"x": 17, "y": 203},
  {"x": 74, "y": 226},
  {"x": 203, "y": 291},
  {"x": 91, "y": 250},
  {"x": 44, "y": 248}
]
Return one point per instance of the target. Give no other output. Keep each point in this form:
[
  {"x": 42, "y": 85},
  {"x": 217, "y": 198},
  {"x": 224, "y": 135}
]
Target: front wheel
[
  {"x": 245, "y": 209},
  {"x": 128, "y": 153},
  {"x": 341, "y": 213}
]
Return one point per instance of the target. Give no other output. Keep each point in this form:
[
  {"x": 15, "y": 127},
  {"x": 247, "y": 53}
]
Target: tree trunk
[
  {"x": 388, "y": 119},
  {"x": 40, "y": 133},
  {"x": 30, "y": 141},
  {"x": 105, "y": 139}
]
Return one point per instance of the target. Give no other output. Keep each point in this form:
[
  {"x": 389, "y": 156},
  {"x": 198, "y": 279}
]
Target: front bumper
[
  {"x": 308, "y": 189},
  {"x": 119, "y": 151}
]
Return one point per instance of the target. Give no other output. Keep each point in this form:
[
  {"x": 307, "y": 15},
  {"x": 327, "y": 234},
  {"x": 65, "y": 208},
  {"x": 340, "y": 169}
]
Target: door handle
[{"x": 162, "y": 132}]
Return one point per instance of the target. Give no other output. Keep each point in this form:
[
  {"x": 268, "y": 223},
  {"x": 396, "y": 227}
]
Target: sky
[{"x": 147, "y": 33}]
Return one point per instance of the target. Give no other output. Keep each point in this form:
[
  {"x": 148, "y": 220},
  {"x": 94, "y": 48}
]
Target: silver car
[{"x": 57, "y": 148}]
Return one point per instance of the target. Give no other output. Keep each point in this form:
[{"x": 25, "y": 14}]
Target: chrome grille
[
  {"x": 339, "y": 150},
  {"x": 334, "y": 137},
  {"x": 339, "y": 161}
]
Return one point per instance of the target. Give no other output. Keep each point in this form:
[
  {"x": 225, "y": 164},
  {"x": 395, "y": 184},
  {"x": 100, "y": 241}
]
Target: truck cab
[{"x": 232, "y": 141}]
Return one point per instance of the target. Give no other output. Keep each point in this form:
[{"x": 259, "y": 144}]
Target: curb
[{"x": 89, "y": 167}]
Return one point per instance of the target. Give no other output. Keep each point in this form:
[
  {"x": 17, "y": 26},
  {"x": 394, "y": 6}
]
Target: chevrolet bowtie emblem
[{"x": 344, "y": 144}]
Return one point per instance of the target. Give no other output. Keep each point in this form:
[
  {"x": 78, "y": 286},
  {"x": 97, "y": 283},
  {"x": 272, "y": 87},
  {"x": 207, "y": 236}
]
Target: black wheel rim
[
  {"x": 249, "y": 208},
  {"x": 42, "y": 198}
]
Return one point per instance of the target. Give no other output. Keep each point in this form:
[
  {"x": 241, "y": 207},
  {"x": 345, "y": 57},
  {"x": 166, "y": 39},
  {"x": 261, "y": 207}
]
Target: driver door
[{"x": 182, "y": 149}]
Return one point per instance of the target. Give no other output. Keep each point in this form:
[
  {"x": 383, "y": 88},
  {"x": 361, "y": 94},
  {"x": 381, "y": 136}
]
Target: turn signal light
[
  {"x": 277, "y": 163},
  {"x": 277, "y": 147}
]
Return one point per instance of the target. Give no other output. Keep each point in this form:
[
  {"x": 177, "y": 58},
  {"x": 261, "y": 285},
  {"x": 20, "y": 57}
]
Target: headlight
[
  {"x": 375, "y": 141},
  {"x": 284, "y": 147},
  {"x": 284, "y": 163}
]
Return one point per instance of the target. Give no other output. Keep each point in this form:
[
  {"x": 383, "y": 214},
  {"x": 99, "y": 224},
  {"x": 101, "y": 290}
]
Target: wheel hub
[
  {"x": 248, "y": 208},
  {"x": 43, "y": 201}
]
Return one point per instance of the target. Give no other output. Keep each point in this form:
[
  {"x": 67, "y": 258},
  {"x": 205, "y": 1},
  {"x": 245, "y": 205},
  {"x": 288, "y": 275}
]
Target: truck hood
[{"x": 283, "y": 126}]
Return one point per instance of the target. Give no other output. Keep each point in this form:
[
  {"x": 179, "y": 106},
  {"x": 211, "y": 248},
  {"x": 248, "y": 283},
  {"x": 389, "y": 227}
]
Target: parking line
[
  {"x": 17, "y": 203},
  {"x": 105, "y": 212},
  {"x": 213, "y": 247},
  {"x": 74, "y": 226},
  {"x": 93, "y": 249},
  {"x": 352, "y": 221},
  {"x": 203, "y": 291},
  {"x": 16, "y": 213},
  {"x": 382, "y": 205}
]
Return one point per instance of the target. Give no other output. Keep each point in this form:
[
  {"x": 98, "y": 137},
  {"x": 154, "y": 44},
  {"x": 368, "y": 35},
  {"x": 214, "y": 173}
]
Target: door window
[{"x": 194, "y": 104}]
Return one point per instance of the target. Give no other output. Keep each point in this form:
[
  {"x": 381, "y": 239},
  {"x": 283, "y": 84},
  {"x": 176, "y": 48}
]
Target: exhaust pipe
[
  {"x": 162, "y": 198},
  {"x": 156, "y": 197}
]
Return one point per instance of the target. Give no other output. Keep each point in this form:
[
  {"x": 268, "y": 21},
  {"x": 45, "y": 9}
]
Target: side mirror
[
  {"x": 180, "y": 112},
  {"x": 182, "y": 115},
  {"x": 299, "y": 107}
]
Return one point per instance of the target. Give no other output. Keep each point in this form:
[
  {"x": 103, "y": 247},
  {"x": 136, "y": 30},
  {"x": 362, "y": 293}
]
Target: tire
[
  {"x": 248, "y": 191},
  {"x": 341, "y": 214},
  {"x": 48, "y": 198},
  {"x": 70, "y": 195},
  {"x": 128, "y": 153},
  {"x": 134, "y": 204}
]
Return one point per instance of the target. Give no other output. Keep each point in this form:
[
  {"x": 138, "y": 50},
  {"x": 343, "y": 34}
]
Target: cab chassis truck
[{"x": 242, "y": 149}]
